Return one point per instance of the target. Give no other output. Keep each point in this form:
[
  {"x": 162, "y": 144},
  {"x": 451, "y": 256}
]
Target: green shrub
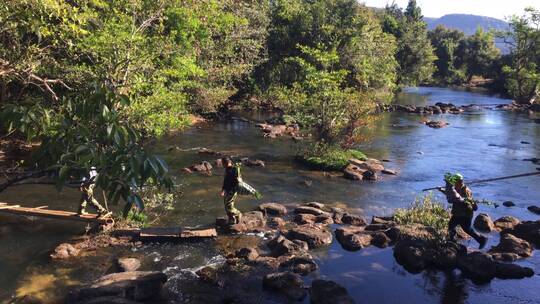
[
  {"x": 425, "y": 211},
  {"x": 328, "y": 158},
  {"x": 137, "y": 218}
]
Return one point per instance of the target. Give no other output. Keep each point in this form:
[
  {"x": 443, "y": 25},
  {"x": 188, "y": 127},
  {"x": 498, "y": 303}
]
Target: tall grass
[{"x": 426, "y": 211}]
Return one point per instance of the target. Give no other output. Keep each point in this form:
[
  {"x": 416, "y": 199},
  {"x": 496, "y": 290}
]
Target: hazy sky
[{"x": 492, "y": 8}]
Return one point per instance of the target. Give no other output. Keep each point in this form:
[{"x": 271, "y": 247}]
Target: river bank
[{"x": 481, "y": 143}]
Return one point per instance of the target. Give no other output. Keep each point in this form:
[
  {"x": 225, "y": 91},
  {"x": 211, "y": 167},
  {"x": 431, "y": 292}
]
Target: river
[{"x": 481, "y": 143}]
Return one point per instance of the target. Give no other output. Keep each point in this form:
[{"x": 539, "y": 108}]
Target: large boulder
[
  {"x": 128, "y": 264},
  {"x": 478, "y": 266},
  {"x": 484, "y": 223},
  {"x": 314, "y": 236},
  {"x": 506, "y": 222},
  {"x": 410, "y": 254},
  {"x": 273, "y": 209},
  {"x": 512, "y": 244},
  {"x": 287, "y": 283},
  {"x": 305, "y": 218},
  {"x": 528, "y": 230},
  {"x": 445, "y": 256},
  {"x": 352, "y": 219},
  {"x": 329, "y": 292},
  {"x": 133, "y": 285}
]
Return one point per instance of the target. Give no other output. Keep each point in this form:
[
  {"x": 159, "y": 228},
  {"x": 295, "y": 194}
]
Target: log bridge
[
  {"x": 55, "y": 214},
  {"x": 142, "y": 233}
]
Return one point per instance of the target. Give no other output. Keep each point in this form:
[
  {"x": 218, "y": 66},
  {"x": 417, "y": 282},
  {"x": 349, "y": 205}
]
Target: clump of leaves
[
  {"x": 328, "y": 158},
  {"x": 427, "y": 212},
  {"x": 136, "y": 218}
]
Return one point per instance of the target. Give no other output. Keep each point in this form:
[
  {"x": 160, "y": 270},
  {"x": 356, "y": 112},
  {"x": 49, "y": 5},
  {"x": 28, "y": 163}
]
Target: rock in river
[
  {"x": 484, "y": 223},
  {"x": 286, "y": 283},
  {"x": 329, "y": 292},
  {"x": 506, "y": 222},
  {"x": 534, "y": 209},
  {"x": 134, "y": 285},
  {"x": 64, "y": 251},
  {"x": 512, "y": 244},
  {"x": 128, "y": 264},
  {"x": 352, "y": 219},
  {"x": 273, "y": 209},
  {"x": 314, "y": 236}
]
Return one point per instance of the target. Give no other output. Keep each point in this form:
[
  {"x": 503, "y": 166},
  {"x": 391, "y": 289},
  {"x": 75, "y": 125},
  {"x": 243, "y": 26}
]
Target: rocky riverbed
[{"x": 282, "y": 257}]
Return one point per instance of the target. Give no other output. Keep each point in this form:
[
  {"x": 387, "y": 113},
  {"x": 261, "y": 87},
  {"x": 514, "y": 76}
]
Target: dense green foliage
[
  {"x": 414, "y": 51},
  {"x": 329, "y": 61},
  {"x": 90, "y": 79},
  {"x": 328, "y": 158},
  {"x": 522, "y": 72}
]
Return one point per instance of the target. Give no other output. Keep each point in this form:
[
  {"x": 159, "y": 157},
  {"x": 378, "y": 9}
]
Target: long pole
[{"x": 491, "y": 179}]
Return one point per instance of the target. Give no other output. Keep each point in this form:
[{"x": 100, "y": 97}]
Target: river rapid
[{"x": 480, "y": 143}]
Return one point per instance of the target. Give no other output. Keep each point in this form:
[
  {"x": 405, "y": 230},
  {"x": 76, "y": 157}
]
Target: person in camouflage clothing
[
  {"x": 229, "y": 191},
  {"x": 87, "y": 189},
  {"x": 463, "y": 207}
]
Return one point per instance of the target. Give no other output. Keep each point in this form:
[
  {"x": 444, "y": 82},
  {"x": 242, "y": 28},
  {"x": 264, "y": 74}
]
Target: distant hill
[{"x": 467, "y": 23}]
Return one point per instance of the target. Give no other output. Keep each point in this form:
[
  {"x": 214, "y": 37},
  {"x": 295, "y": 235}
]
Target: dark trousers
[{"x": 465, "y": 223}]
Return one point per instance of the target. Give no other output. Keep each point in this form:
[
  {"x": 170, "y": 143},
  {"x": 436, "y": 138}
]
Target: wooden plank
[
  {"x": 161, "y": 232},
  {"x": 56, "y": 214},
  {"x": 199, "y": 233},
  {"x": 177, "y": 232}
]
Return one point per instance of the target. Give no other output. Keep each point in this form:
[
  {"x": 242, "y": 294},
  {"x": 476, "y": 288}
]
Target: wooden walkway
[{"x": 56, "y": 214}]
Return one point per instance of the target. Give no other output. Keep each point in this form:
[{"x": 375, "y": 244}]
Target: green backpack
[{"x": 244, "y": 188}]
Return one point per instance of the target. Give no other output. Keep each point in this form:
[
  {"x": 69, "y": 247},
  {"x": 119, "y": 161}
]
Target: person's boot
[
  {"x": 238, "y": 218},
  {"x": 482, "y": 242},
  {"x": 232, "y": 220},
  {"x": 82, "y": 211}
]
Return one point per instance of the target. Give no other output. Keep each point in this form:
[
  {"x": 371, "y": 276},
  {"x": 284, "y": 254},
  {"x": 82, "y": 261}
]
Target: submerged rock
[
  {"x": 134, "y": 285},
  {"x": 534, "y": 209},
  {"x": 509, "y": 204},
  {"x": 435, "y": 124},
  {"x": 247, "y": 253},
  {"x": 64, "y": 251},
  {"x": 301, "y": 264},
  {"x": 286, "y": 283},
  {"x": 329, "y": 292}
]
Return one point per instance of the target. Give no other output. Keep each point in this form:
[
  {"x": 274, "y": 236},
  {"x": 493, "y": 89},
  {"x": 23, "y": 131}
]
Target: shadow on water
[{"x": 479, "y": 144}]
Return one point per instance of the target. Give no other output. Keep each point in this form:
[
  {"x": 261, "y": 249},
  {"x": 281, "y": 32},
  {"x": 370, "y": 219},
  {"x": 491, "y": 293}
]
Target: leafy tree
[
  {"x": 90, "y": 80},
  {"x": 446, "y": 42},
  {"x": 522, "y": 74},
  {"x": 414, "y": 51},
  {"x": 477, "y": 54},
  {"x": 328, "y": 62}
]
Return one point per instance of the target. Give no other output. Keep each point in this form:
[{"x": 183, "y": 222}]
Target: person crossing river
[
  {"x": 463, "y": 207},
  {"x": 233, "y": 185}
]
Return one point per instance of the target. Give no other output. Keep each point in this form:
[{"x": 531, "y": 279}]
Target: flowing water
[{"x": 481, "y": 143}]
